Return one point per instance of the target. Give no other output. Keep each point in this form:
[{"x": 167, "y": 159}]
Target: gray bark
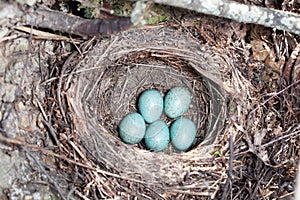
[
  {"x": 58, "y": 21},
  {"x": 268, "y": 17}
]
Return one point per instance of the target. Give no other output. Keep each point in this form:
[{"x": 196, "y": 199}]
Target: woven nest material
[{"x": 118, "y": 70}]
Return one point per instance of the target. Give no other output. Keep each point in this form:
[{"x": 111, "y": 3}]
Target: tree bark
[{"x": 268, "y": 17}]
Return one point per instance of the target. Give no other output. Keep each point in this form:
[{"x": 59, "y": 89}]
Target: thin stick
[
  {"x": 190, "y": 192},
  {"x": 48, "y": 152},
  {"x": 272, "y": 141},
  {"x": 281, "y": 138},
  {"x": 44, "y": 35},
  {"x": 45, "y": 172},
  {"x": 273, "y": 96},
  {"x": 228, "y": 185},
  {"x": 231, "y": 176}
]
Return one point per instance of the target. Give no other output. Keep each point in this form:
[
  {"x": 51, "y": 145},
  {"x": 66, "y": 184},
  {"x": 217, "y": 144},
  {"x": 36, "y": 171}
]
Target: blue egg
[
  {"x": 177, "y": 102},
  {"x": 132, "y": 128},
  {"x": 157, "y": 136},
  {"x": 151, "y": 105},
  {"x": 183, "y": 133}
]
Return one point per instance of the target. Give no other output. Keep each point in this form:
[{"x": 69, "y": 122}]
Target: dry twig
[{"x": 58, "y": 21}]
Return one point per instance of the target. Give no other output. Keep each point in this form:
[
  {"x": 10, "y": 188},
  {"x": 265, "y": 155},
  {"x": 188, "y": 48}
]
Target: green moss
[
  {"x": 122, "y": 7},
  {"x": 92, "y": 13},
  {"x": 158, "y": 19},
  {"x": 158, "y": 14},
  {"x": 197, "y": 23}
]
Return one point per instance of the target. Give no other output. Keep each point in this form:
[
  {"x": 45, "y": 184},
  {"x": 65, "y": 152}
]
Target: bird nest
[{"x": 105, "y": 85}]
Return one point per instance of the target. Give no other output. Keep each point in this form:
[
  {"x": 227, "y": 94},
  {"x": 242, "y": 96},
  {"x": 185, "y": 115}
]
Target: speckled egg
[
  {"x": 177, "y": 102},
  {"x": 157, "y": 136},
  {"x": 183, "y": 133},
  {"x": 132, "y": 128},
  {"x": 151, "y": 105}
]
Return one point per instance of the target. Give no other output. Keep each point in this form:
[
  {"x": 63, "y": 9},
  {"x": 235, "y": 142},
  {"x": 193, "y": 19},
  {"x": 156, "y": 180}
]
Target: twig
[
  {"x": 12, "y": 37},
  {"x": 45, "y": 172},
  {"x": 281, "y": 138},
  {"x": 63, "y": 22},
  {"x": 261, "y": 177},
  {"x": 44, "y": 35},
  {"x": 81, "y": 195},
  {"x": 84, "y": 49},
  {"x": 225, "y": 192},
  {"x": 72, "y": 190},
  {"x": 272, "y": 141},
  {"x": 273, "y": 96},
  {"x": 190, "y": 192},
  {"x": 228, "y": 185},
  {"x": 74, "y": 146},
  {"x": 51, "y": 153},
  {"x": 231, "y": 176},
  {"x": 286, "y": 195},
  {"x": 47, "y": 122},
  {"x": 278, "y": 19}
]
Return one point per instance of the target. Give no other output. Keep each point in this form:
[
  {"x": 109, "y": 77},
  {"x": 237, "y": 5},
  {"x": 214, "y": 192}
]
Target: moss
[
  {"x": 159, "y": 14},
  {"x": 158, "y": 19},
  {"x": 196, "y": 23},
  {"x": 156, "y": 15},
  {"x": 122, "y": 7},
  {"x": 92, "y": 13}
]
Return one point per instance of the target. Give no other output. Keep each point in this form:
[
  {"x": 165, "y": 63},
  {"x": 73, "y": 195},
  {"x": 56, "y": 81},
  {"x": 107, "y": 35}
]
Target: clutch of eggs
[{"x": 157, "y": 136}]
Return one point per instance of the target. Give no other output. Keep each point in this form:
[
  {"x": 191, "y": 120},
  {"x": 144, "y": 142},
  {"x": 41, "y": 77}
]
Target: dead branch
[
  {"x": 58, "y": 21},
  {"x": 278, "y": 19}
]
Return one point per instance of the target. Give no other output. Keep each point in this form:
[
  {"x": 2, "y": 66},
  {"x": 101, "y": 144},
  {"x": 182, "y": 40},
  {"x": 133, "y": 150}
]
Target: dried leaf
[
  {"x": 258, "y": 137},
  {"x": 259, "y": 51},
  {"x": 263, "y": 155}
]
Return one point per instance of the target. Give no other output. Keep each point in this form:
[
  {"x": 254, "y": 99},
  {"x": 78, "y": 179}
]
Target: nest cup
[
  {"x": 118, "y": 70},
  {"x": 122, "y": 85}
]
